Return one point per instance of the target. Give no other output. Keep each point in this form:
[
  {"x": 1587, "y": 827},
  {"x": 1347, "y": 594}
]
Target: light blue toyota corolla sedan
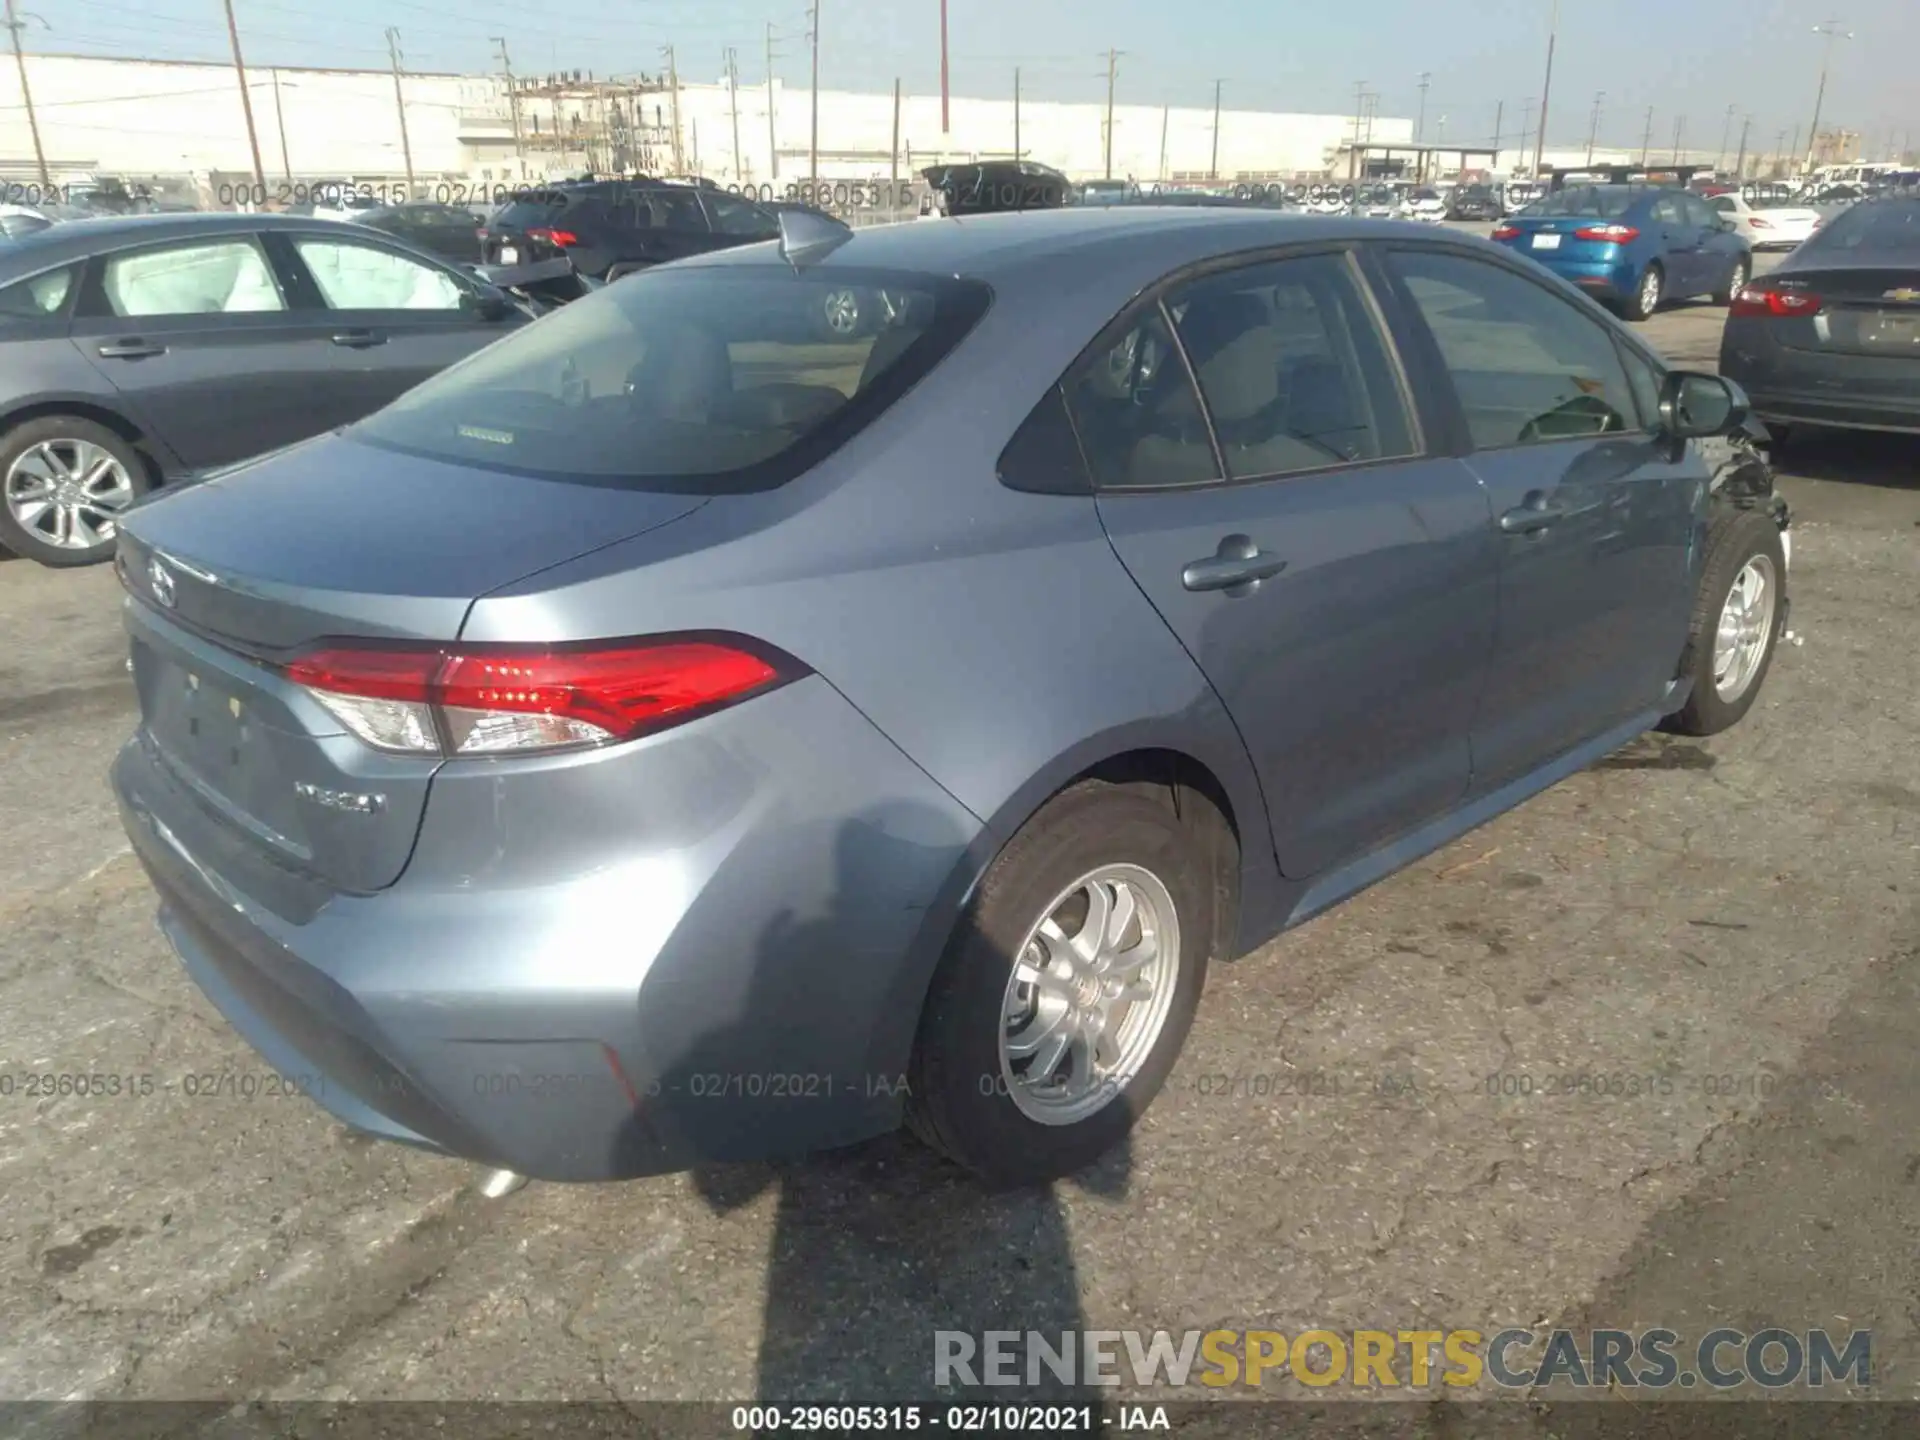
[{"x": 673, "y": 734}]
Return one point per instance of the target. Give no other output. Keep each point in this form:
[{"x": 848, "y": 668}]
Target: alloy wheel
[
  {"x": 1746, "y": 628},
  {"x": 68, "y": 493},
  {"x": 1091, "y": 988}
]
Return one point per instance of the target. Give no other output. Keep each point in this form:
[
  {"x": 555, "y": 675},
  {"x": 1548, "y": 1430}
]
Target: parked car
[
  {"x": 1329, "y": 199},
  {"x": 450, "y": 231},
  {"x": 1474, "y": 202},
  {"x": 1633, "y": 246},
  {"x": 1379, "y": 202},
  {"x": 605, "y": 224},
  {"x": 142, "y": 350},
  {"x": 1426, "y": 205},
  {"x": 341, "y": 204},
  {"x": 1832, "y": 336},
  {"x": 18, "y": 220},
  {"x": 992, "y": 187},
  {"x": 1766, "y": 217},
  {"x": 689, "y": 757},
  {"x": 1517, "y": 195}
]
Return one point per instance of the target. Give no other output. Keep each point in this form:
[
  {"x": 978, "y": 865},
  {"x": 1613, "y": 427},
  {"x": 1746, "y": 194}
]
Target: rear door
[
  {"x": 1682, "y": 246},
  {"x": 393, "y": 319},
  {"x": 1265, "y": 480},
  {"x": 204, "y": 344},
  {"x": 1596, "y": 519}
]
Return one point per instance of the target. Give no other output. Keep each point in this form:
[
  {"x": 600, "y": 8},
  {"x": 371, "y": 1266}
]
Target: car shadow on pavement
[{"x": 879, "y": 1246}]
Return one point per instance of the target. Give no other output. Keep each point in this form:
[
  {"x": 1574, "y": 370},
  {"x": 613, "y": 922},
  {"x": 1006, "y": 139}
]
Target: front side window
[
  {"x": 1294, "y": 374},
  {"x": 364, "y": 277},
  {"x": 701, "y": 381},
  {"x": 1526, "y": 365},
  {"x": 37, "y": 298},
  {"x": 217, "y": 277}
]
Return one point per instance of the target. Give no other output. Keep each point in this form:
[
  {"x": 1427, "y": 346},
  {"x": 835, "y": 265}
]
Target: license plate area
[
  {"x": 1892, "y": 330},
  {"x": 1546, "y": 242},
  {"x": 509, "y": 255}
]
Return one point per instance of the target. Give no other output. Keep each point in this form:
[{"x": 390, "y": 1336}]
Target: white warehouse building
[{"x": 139, "y": 118}]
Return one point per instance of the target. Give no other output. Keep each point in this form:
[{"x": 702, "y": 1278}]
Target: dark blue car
[{"x": 1633, "y": 246}]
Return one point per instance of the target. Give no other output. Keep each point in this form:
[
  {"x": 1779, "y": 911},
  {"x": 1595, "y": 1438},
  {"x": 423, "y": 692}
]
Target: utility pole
[
  {"x": 1740, "y": 165},
  {"x": 1213, "y": 165},
  {"x": 813, "y": 141},
  {"x": 893, "y": 164},
  {"x": 1499, "y": 114},
  {"x": 400, "y": 104},
  {"x": 280, "y": 119},
  {"x": 1832, "y": 31},
  {"x": 1646, "y": 140},
  {"x": 946, "y": 127},
  {"x": 1726, "y": 134},
  {"x": 246, "y": 100},
  {"x": 1526, "y": 127},
  {"x": 1354, "y": 167},
  {"x": 1794, "y": 149},
  {"x": 1420, "y": 125},
  {"x": 1679, "y": 128},
  {"x": 773, "y": 147},
  {"x": 15, "y": 24},
  {"x": 673, "y": 90},
  {"x": 513, "y": 98},
  {"x": 1016, "y": 112},
  {"x": 1593, "y": 126},
  {"x": 1546, "y": 89},
  {"x": 733, "y": 107},
  {"x": 1165, "y": 112},
  {"x": 1113, "y": 67}
]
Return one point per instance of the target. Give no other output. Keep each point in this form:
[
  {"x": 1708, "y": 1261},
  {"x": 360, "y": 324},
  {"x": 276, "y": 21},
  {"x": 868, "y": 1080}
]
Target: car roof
[
  {"x": 1147, "y": 237},
  {"x": 78, "y": 239}
]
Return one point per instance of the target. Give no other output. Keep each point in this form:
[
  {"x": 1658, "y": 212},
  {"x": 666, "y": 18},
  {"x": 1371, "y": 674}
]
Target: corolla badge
[
  {"x": 1904, "y": 294},
  {"x": 160, "y": 578}
]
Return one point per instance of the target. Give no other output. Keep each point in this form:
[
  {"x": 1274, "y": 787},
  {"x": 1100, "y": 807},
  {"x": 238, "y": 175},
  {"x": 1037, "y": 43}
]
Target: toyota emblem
[{"x": 161, "y": 579}]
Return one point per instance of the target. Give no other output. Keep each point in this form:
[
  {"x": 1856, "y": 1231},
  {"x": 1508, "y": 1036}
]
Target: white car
[
  {"x": 1328, "y": 200},
  {"x": 1380, "y": 202},
  {"x": 1767, "y": 217},
  {"x": 1520, "y": 194},
  {"x": 1427, "y": 205}
]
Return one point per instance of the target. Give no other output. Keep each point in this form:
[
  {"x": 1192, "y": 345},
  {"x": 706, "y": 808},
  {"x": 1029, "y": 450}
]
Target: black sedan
[
  {"x": 449, "y": 231},
  {"x": 139, "y": 350},
  {"x": 1474, "y": 202},
  {"x": 1832, "y": 337}
]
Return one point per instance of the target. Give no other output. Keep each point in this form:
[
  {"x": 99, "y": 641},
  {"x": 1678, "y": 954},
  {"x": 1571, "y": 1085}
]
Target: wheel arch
[{"x": 101, "y": 415}]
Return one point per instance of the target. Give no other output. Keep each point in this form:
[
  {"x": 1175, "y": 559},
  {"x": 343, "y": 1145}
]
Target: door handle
[
  {"x": 1533, "y": 513},
  {"x": 359, "y": 339},
  {"x": 130, "y": 349},
  {"x": 1237, "y": 567}
]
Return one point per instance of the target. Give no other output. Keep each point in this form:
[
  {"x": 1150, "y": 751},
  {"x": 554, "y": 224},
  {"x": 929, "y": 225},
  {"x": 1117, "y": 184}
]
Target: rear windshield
[
  {"x": 704, "y": 381},
  {"x": 1607, "y": 202},
  {"x": 1883, "y": 225}
]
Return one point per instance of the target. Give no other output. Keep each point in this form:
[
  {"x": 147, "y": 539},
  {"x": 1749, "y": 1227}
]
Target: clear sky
[{"x": 1691, "y": 58}]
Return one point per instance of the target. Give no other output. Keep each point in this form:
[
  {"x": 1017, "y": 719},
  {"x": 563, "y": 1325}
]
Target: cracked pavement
[{"x": 1337, "y": 1148}]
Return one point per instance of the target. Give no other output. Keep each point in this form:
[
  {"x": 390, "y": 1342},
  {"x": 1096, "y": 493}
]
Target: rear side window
[
  {"x": 1528, "y": 367},
  {"x": 1602, "y": 202},
  {"x": 703, "y": 381},
  {"x": 529, "y": 211},
  {"x": 39, "y": 298},
  {"x": 215, "y": 277},
  {"x": 1885, "y": 225}
]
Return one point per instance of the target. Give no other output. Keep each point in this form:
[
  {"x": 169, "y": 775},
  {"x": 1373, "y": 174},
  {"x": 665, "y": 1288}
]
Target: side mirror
[
  {"x": 1694, "y": 405},
  {"x": 489, "y": 302}
]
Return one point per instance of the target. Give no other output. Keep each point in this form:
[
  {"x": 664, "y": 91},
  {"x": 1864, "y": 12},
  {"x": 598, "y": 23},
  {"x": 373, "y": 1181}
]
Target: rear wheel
[
  {"x": 1736, "y": 621},
  {"x": 1063, "y": 1001},
  {"x": 1647, "y": 295},
  {"x": 1742, "y": 268},
  {"x": 63, "y": 483}
]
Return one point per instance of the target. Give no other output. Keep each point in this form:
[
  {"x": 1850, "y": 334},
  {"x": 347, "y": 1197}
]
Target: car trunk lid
[
  {"x": 1863, "y": 310},
  {"x": 233, "y": 578},
  {"x": 1560, "y": 237}
]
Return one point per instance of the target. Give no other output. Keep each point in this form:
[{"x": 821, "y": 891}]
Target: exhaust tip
[{"x": 498, "y": 1184}]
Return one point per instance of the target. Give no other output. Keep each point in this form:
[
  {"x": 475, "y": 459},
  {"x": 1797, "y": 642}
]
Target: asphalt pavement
[{"x": 1737, "y": 915}]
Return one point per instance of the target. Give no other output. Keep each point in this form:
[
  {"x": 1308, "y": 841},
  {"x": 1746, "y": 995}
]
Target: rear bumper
[
  {"x": 710, "y": 945},
  {"x": 1803, "y": 387},
  {"x": 1608, "y": 279}
]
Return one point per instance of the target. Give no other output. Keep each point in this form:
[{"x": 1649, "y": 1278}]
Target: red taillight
[
  {"x": 1607, "y": 234},
  {"x": 1506, "y": 232},
  {"x": 514, "y": 699},
  {"x": 481, "y": 233},
  {"x": 1766, "y": 301},
  {"x": 562, "y": 238},
  {"x": 1757, "y": 223}
]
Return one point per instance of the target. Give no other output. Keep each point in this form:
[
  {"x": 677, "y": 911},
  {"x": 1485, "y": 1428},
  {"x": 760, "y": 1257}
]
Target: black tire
[
  {"x": 1637, "y": 306},
  {"x": 850, "y": 307},
  {"x": 1742, "y": 272},
  {"x": 960, "y": 1103},
  {"x": 28, "y": 542},
  {"x": 1734, "y": 538}
]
